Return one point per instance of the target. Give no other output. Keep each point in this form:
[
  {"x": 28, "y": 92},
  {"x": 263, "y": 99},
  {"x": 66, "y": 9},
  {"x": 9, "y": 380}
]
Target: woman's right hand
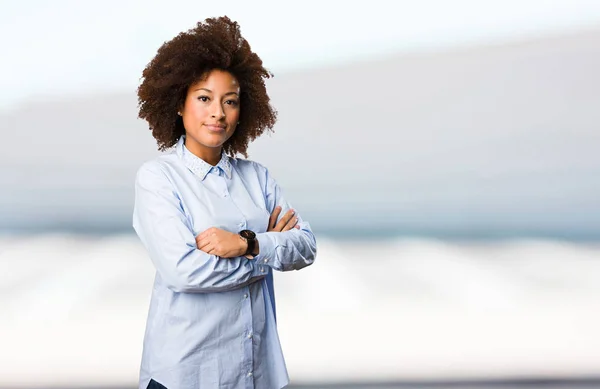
[{"x": 287, "y": 222}]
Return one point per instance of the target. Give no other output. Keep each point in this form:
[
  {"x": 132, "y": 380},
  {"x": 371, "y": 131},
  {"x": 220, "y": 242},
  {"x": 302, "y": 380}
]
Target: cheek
[
  {"x": 233, "y": 117},
  {"x": 234, "y": 113},
  {"x": 194, "y": 110},
  {"x": 198, "y": 112}
]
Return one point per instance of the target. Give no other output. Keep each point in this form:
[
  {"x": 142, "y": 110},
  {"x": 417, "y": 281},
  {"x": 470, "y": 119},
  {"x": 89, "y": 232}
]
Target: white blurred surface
[{"x": 74, "y": 308}]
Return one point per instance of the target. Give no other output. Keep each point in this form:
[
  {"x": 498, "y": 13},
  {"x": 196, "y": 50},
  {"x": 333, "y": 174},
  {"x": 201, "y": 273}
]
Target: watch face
[{"x": 247, "y": 234}]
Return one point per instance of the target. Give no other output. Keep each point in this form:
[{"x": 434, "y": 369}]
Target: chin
[
  {"x": 213, "y": 144},
  {"x": 210, "y": 140}
]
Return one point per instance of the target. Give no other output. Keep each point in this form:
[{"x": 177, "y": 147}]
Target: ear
[{"x": 181, "y": 107}]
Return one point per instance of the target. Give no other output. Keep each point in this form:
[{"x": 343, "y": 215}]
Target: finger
[
  {"x": 207, "y": 248},
  {"x": 203, "y": 238},
  {"x": 205, "y": 233},
  {"x": 291, "y": 224},
  {"x": 218, "y": 250},
  {"x": 274, "y": 216},
  {"x": 284, "y": 220},
  {"x": 203, "y": 243},
  {"x": 212, "y": 249}
]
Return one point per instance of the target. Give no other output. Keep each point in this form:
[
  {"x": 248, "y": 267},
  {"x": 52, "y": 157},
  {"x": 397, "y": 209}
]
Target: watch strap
[{"x": 251, "y": 246}]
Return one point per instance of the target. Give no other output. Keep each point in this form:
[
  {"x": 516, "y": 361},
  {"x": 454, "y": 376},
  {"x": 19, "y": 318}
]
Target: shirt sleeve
[
  {"x": 161, "y": 224},
  {"x": 289, "y": 250}
]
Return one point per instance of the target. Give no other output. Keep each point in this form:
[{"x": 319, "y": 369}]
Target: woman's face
[{"x": 211, "y": 112}]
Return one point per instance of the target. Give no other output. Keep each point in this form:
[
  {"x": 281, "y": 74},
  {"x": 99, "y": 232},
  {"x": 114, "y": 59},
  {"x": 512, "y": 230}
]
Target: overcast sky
[{"x": 74, "y": 47}]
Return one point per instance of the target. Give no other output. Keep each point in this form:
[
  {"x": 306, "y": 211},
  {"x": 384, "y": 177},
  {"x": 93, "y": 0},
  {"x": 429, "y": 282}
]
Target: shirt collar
[{"x": 197, "y": 165}]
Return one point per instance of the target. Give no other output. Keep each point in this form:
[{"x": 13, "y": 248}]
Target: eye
[
  {"x": 232, "y": 102},
  {"x": 203, "y": 98}
]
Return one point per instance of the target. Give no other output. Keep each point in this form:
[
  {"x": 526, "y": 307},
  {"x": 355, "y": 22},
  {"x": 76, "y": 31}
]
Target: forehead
[{"x": 217, "y": 79}]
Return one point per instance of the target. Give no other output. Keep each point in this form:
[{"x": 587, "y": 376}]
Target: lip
[{"x": 215, "y": 127}]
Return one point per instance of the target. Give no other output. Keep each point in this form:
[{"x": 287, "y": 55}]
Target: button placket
[{"x": 248, "y": 334}]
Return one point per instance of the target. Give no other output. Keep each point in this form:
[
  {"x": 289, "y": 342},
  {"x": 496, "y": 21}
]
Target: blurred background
[{"x": 444, "y": 152}]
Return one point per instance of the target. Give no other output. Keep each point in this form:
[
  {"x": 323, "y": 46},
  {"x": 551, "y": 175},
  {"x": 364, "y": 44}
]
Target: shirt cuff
[
  {"x": 266, "y": 246},
  {"x": 260, "y": 270}
]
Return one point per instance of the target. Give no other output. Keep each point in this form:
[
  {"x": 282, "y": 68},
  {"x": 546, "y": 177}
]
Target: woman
[{"x": 210, "y": 221}]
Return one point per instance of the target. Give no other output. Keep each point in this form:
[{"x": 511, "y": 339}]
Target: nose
[{"x": 218, "y": 112}]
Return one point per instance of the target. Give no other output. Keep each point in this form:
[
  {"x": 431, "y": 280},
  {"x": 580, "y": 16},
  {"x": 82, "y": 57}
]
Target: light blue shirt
[{"x": 211, "y": 321}]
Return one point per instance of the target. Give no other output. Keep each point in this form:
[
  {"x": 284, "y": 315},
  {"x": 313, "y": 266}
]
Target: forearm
[
  {"x": 215, "y": 274},
  {"x": 185, "y": 268},
  {"x": 289, "y": 250}
]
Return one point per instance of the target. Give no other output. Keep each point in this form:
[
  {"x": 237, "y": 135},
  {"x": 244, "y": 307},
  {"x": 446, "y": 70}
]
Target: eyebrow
[{"x": 208, "y": 90}]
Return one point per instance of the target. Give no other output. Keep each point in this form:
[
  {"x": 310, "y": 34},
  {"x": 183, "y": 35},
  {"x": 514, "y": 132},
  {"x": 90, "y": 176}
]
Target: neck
[{"x": 210, "y": 155}]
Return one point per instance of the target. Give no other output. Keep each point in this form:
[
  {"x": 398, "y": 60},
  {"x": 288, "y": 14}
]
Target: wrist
[{"x": 243, "y": 245}]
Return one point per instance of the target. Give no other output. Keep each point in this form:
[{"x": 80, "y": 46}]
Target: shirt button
[
  {"x": 245, "y": 295},
  {"x": 263, "y": 270},
  {"x": 249, "y": 374},
  {"x": 249, "y": 335},
  {"x": 266, "y": 260}
]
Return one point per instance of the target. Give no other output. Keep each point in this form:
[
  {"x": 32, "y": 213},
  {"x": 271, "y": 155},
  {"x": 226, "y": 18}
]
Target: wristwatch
[{"x": 250, "y": 237}]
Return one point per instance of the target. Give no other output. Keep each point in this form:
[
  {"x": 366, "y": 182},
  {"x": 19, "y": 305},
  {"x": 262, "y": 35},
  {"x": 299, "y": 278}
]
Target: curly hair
[{"x": 215, "y": 43}]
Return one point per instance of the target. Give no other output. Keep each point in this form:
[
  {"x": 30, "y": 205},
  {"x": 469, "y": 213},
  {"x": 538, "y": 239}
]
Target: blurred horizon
[{"x": 394, "y": 181}]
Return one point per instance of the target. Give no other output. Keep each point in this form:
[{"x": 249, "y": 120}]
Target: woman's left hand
[{"x": 222, "y": 243}]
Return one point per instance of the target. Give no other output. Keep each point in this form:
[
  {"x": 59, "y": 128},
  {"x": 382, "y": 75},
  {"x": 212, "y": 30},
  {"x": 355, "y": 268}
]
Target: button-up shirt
[{"x": 211, "y": 321}]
